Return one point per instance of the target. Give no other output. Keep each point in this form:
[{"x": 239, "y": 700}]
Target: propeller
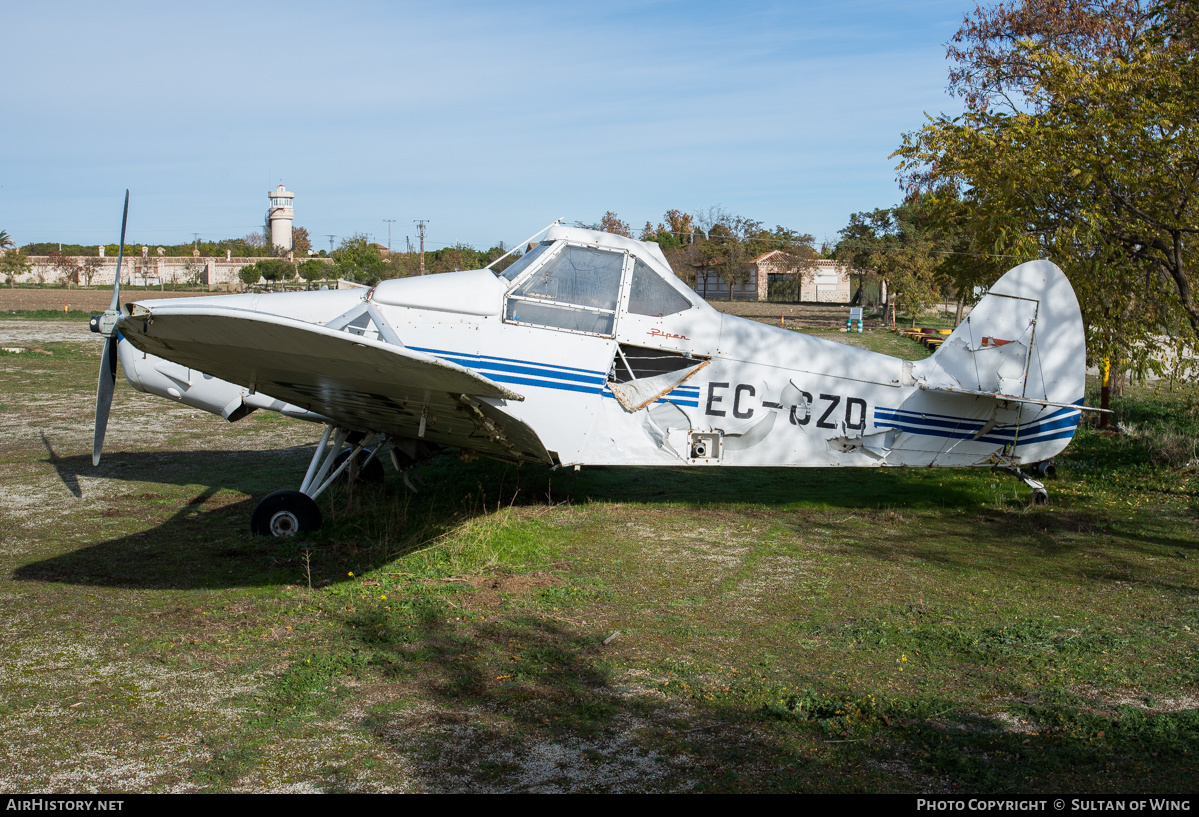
[{"x": 106, "y": 325}]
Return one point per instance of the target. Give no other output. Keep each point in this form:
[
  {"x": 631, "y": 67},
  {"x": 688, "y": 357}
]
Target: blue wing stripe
[
  {"x": 444, "y": 353},
  {"x": 546, "y": 384},
  {"x": 485, "y": 366},
  {"x": 563, "y": 378}
]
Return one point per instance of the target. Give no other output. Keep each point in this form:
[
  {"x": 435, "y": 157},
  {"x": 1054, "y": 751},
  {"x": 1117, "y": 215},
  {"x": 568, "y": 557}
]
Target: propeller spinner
[{"x": 106, "y": 325}]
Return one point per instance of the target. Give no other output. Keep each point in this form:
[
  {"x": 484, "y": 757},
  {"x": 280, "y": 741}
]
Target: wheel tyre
[
  {"x": 284, "y": 514},
  {"x": 372, "y": 473}
]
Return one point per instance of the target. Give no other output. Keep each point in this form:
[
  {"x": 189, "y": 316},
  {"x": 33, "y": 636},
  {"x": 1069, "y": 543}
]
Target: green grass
[
  {"x": 883, "y": 341},
  {"x": 767, "y": 630}
]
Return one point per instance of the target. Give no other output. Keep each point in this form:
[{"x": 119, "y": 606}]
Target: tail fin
[{"x": 1023, "y": 344}]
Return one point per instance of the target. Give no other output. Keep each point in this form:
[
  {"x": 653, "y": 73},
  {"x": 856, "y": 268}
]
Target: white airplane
[{"x": 588, "y": 350}]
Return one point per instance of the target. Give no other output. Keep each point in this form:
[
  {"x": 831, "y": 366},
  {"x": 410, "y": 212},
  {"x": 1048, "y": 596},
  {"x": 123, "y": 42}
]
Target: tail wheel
[
  {"x": 283, "y": 514},
  {"x": 1040, "y": 496},
  {"x": 372, "y": 472}
]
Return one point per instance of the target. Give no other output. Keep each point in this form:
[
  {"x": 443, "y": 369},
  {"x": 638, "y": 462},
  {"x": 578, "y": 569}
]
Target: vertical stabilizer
[{"x": 1023, "y": 341}]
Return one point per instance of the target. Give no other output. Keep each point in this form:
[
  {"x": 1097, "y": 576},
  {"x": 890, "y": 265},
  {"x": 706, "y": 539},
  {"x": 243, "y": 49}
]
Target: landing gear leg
[
  {"x": 285, "y": 513},
  {"x": 406, "y": 455},
  {"x": 1039, "y": 495}
]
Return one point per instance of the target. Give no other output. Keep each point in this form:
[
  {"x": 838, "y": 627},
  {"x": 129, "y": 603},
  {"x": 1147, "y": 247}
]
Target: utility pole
[
  {"x": 390, "y": 221},
  {"x": 422, "y": 222},
  {"x": 408, "y": 241},
  {"x": 197, "y": 237},
  {"x": 331, "y": 237}
]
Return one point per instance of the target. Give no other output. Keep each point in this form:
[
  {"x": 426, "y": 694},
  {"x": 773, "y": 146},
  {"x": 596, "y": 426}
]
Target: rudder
[{"x": 1023, "y": 341}]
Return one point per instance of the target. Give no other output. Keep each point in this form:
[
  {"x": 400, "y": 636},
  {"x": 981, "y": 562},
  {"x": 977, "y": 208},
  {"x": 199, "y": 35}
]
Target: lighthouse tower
[{"x": 279, "y": 217}]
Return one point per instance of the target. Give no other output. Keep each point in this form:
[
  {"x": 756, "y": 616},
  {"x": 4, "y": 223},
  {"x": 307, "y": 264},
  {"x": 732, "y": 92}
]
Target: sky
[{"x": 487, "y": 119}]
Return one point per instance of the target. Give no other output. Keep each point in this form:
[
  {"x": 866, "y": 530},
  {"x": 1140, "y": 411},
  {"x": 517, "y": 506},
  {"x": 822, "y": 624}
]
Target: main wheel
[
  {"x": 285, "y": 513},
  {"x": 372, "y": 472}
]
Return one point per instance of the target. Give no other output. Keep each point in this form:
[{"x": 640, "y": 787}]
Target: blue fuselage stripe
[{"x": 1059, "y": 425}]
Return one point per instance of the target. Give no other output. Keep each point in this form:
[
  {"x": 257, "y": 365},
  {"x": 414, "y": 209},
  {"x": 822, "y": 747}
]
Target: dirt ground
[
  {"x": 32, "y": 334},
  {"x": 83, "y": 300}
]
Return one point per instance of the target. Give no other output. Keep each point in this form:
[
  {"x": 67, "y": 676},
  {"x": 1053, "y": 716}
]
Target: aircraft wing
[{"x": 356, "y": 382}]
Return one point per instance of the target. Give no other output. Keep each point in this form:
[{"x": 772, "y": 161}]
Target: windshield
[{"x": 522, "y": 263}]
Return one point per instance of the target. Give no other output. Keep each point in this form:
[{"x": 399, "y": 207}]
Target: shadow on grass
[
  {"x": 256, "y": 471},
  {"x": 523, "y": 701},
  {"x": 529, "y": 703},
  {"x": 206, "y": 543},
  {"x": 249, "y": 470}
]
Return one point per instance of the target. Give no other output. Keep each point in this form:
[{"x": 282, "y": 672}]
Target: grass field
[{"x": 516, "y": 629}]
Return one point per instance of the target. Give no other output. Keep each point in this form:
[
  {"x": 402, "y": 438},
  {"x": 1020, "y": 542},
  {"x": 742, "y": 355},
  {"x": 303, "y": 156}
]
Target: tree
[
  {"x": 256, "y": 240},
  {"x": 901, "y": 246},
  {"x": 312, "y": 270},
  {"x": 732, "y": 242},
  {"x": 249, "y": 274},
  {"x": 14, "y": 264},
  {"x": 5, "y": 241},
  {"x": 357, "y": 259},
  {"x": 66, "y": 267},
  {"x": 680, "y": 225},
  {"x": 1079, "y": 143},
  {"x": 89, "y": 267},
  {"x": 275, "y": 269},
  {"x": 611, "y": 223},
  {"x": 300, "y": 242}
]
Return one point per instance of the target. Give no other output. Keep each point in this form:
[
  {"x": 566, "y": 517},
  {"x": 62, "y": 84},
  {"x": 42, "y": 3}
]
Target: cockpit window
[
  {"x": 577, "y": 289},
  {"x": 525, "y": 261},
  {"x": 652, "y": 296},
  {"x": 580, "y": 276}
]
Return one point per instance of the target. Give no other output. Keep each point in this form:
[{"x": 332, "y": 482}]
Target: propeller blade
[
  {"x": 116, "y": 284},
  {"x": 107, "y": 325},
  {"x": 104, "y": 389}
]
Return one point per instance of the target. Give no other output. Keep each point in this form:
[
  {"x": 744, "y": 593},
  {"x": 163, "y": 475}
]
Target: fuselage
[{"x": 619, "y": 363}]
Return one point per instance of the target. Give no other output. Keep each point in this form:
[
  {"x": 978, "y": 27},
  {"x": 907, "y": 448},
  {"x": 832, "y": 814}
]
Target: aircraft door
[{"x": 656, "y": 313}]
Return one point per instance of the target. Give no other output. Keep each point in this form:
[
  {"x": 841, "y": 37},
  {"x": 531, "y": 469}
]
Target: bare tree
[
  {"x": 89, "y": 268},
  {"x": 66, "y": 267},
  {"x": 193, "y": 268}
]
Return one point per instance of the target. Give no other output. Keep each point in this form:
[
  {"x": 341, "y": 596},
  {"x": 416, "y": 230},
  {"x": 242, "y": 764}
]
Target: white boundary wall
[{"x": 215, "y": 273}]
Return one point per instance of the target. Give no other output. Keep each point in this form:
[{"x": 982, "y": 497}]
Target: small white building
[
  {"x": 819, "y": 280},
  {"x": 279, "y": 217}
]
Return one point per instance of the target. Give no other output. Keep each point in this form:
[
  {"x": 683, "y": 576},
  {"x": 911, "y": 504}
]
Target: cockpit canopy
[{"x": 577, "y": 280}]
